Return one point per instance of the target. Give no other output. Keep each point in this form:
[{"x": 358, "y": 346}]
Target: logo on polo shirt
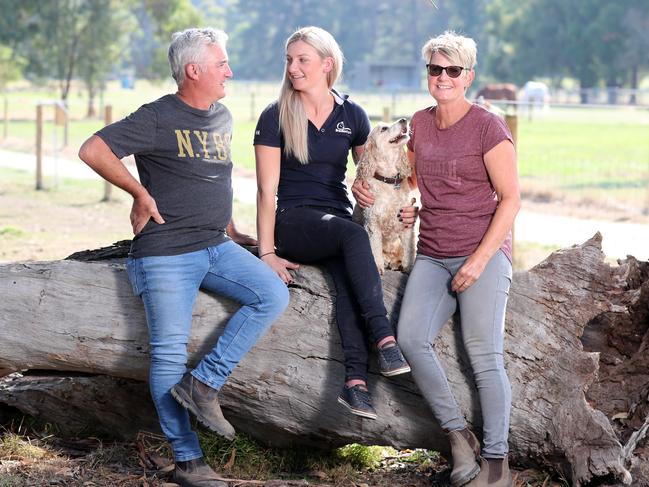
[{"x": 342, "y": 129}]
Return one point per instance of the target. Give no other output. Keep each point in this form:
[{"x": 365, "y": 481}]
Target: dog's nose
[{"x": 402, "y": 120}]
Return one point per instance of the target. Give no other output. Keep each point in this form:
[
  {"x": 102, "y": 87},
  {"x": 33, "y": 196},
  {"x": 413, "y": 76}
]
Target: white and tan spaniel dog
[{"x": 385, "y": 167}]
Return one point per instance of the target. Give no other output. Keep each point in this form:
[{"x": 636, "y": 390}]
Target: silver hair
[
  {"x": 457, "y": 48},
  {"x": 188, "y": 46}
]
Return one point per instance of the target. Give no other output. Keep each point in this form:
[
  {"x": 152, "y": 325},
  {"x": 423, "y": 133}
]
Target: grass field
[
  {"x": 592, "y": 155},
  {"x": 597, "y": 155}
]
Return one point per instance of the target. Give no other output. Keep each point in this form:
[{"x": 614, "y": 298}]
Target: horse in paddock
[{"x": 498, "y": 91}]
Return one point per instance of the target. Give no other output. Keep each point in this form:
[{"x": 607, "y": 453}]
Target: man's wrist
[{"x": 139, "y": 192}]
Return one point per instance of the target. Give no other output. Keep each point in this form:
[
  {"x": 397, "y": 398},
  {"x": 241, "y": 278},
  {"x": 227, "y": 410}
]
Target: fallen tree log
[
  {"x": 80, "y": 404},
  {"x": 565, "y": 352}
]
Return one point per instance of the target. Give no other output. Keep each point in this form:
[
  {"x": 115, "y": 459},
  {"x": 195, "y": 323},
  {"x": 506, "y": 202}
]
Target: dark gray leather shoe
[
  {"x": 358, "y": 400},
  {"x": 201, "y": 400},
  {"x": 392, "y": 361},
  {"x": 196, "y": 473}
]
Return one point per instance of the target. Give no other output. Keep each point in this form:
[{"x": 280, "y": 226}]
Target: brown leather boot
[
  {"x": 494, "y": 472},
  {"x": 203, "y": 403},
  {"x": 196, "y": 473},
  {"x": 465, "y": 449}
]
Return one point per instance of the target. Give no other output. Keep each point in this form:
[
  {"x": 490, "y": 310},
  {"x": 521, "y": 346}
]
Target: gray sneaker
[
  {"x": 358, "y": 400},
  {"x": 392, "y": 362},
  {"x": 196, "y": 473},
  {"x": 201, "y": 400}
]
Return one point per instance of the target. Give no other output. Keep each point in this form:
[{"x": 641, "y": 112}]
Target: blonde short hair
[{"x": 457, "y": 48}]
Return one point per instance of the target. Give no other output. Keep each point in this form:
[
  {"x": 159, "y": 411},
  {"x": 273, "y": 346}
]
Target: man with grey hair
[{"x": 185, "y": 240}]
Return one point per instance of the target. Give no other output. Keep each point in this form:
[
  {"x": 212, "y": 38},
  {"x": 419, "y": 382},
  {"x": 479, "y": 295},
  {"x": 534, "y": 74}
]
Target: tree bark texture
[{"x": 575, "y": 351}]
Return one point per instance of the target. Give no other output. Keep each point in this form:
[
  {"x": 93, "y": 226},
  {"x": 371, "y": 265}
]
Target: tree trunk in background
[
  {"x": 633, "y": 100},
  {"x": 92, "y": 93},
  {"x": 576, "y": 355}
]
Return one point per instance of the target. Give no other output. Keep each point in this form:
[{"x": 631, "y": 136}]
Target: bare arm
[
  {"x": 408, "y": 214},
  {"x": 357, "y": 152},
  {"x": 413, "y": 175},
  {"x": 268, "y": 165},
  {"x": 238, "y": 237},
  {"x": 501, "y": 167},
  {"x": 96, "y": 153},
  {"x": 360, "y": 189}
]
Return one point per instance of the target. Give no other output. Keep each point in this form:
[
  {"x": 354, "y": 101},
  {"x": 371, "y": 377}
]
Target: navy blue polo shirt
[{"x": 321, "y": 182}]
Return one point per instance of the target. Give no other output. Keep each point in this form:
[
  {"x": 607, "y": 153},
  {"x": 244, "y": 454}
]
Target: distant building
[{"x": 382, "y": 75}]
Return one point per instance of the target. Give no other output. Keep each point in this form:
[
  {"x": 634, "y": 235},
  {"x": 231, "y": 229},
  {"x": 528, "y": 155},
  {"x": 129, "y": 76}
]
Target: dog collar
[{"x": 395, "y": 181}]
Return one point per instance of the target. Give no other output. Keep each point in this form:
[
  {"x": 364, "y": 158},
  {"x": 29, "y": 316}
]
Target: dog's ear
[
  {"x": 367, "y": 163},
  {"x": 403, "y": 165}
]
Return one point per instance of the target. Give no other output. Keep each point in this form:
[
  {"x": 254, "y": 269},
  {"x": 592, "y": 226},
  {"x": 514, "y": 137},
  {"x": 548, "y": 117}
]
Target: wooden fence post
[
  {"x": 60, "y": 116},
  {"x": 386, "y": 114},
  {"x": 39, "y": 146},
  {"x": 108, "y": 119},
  {"x": 512, "y": 123},
  {"x": 5, "y": 131},
  {"x": 66, "y": 123},
  {"x": 253, "y": 112}
]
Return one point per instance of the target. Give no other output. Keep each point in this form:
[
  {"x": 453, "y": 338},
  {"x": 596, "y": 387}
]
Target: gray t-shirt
[{"x": 184, "y": 161}]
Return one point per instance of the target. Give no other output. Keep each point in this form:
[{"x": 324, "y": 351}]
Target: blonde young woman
[
  {"x": 466, "y": 172},
  {"x": 301, "y": 146}
]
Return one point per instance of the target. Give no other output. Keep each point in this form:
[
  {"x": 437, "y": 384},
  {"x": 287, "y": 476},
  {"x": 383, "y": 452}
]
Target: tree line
[{"x": 595, "y": 42}]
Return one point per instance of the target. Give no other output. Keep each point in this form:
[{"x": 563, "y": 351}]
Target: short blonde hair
[{"x": 457, "y": 48}]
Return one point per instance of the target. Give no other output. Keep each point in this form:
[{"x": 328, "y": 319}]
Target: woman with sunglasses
[
  {"x": 301, "y": 146},
  {"x": 465, "y": 163}
]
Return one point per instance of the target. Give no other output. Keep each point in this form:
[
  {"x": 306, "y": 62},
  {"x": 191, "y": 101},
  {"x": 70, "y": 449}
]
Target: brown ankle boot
[
  {"x": 494, "y": 472},
  {"x": 203, "y": 403},
  {"x": 465, "y": 449},
  {"x": 196, "y": 473}
]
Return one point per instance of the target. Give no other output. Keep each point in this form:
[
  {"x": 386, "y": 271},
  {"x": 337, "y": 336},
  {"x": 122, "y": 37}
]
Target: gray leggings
[{"x": 428, "y": 303}]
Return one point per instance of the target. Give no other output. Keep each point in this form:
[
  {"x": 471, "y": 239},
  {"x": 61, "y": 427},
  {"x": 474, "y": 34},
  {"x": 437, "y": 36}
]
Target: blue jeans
[
  {"x": 168, "y": 286},
  {"x": 428, "y": 303}
]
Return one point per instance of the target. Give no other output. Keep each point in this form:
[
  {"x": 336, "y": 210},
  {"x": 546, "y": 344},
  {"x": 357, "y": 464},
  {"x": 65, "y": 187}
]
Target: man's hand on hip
[{"x": 143, "y": 209}]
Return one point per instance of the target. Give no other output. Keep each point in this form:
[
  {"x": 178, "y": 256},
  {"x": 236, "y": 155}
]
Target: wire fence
[{"x": 595, "y": 153}]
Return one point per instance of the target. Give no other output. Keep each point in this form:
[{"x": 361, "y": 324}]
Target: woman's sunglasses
[{"x": 452, "y": 71}]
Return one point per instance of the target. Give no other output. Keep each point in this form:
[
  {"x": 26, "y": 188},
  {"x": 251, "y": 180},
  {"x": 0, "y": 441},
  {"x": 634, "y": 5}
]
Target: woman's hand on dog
[
  {"x": 408, "y": 214},
  {"x": 281, "y": 267},
  {"x": 362, "y": 193}
]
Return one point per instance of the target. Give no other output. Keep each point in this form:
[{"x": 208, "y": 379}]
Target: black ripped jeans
[{"x": 309, "y": 234}]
